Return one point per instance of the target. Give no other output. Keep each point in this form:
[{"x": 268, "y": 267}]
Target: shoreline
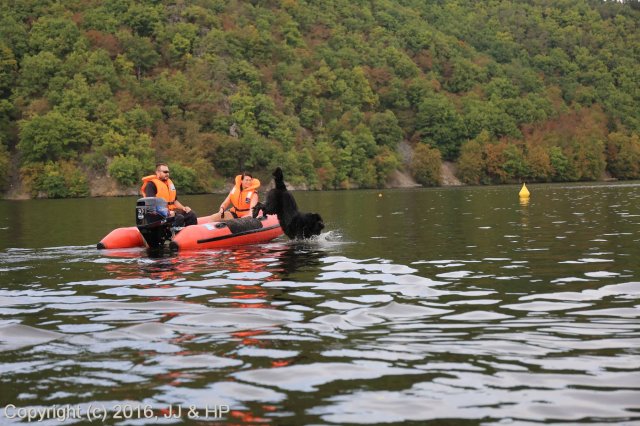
[{"x": 293, "y": 188}]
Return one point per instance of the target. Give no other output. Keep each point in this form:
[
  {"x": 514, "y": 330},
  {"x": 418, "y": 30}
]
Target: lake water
[{"x": 452, "y": 305}]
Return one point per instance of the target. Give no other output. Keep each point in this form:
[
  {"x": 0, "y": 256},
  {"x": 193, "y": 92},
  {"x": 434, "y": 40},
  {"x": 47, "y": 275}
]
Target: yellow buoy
[{"x": 524, "y": 192}]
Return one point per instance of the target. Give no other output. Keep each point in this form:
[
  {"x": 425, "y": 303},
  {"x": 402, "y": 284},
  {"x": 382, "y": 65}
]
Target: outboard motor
[{"x": 153, "y": 221}]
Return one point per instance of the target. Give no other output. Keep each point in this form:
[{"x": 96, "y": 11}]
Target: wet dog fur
[{"x": 279, "y": 201}]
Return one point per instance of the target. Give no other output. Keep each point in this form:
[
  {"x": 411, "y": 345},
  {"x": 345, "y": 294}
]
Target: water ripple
[{"x": 511, "y": 314}]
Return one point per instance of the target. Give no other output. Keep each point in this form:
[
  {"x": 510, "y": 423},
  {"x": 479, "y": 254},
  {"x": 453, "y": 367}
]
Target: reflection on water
[{"x": 463, "y": 305}]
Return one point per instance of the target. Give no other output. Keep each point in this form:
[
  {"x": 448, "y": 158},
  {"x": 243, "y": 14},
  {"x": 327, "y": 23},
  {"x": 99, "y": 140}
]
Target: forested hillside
[{"x": 94, "y": 92}]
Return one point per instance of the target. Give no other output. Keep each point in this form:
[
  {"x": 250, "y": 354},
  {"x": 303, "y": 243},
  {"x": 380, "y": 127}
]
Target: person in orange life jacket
[
  {"x": 159, "y": 185},
  {"x": 241, "y": 199}
]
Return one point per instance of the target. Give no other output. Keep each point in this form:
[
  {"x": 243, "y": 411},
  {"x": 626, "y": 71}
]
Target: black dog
[{"x": 281, "y": 203}]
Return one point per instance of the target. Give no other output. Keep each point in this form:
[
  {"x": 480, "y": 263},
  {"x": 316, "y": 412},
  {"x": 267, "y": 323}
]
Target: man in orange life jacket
[
  {"x": 242, "y": 198},
  {"x": 159, "y": 185}
]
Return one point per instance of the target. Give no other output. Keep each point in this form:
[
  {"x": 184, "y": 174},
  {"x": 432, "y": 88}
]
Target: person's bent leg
[
  {"x": 190, "y": 218},
  {"x": 179, "y": 221}
]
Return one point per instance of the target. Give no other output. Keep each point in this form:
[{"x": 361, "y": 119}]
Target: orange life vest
[
  {"x": 241, "y": 198},
  {"x": 165, "y": 190}
]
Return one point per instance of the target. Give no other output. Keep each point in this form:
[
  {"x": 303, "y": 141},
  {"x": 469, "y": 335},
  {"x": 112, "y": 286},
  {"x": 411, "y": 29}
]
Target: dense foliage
[{"x": 512, "y": 90}]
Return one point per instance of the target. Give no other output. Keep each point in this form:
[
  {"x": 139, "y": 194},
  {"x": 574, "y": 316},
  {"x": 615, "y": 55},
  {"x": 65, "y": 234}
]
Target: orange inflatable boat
[
  {"x": 230, "y": 233},
  {"x": 154, "y": 227}
]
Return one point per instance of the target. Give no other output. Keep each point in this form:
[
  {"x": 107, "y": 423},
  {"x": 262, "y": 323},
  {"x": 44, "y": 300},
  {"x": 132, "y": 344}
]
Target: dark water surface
[{"x": 451, "y": 306}]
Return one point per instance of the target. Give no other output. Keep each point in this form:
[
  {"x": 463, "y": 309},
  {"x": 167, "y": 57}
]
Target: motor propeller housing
[{"x": 153, "y": 221}]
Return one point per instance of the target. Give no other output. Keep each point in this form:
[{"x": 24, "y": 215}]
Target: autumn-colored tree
[
  {"x": 494, "y": 160},
  {"x": 623, "y": 155},
  {"x": 539, "y": 164},
  {"x": 104, "y": 41}
]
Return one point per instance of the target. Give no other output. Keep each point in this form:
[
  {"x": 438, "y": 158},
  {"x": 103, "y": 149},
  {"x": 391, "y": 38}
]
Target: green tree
[
  {"x": 462, "y": 77},
  {"x": 401, "y": 63},
  {"x": 515, "y": 164},
  {"x": 308, "y": 168},
  {"x": 470, "y": 164},
  {"x": 53, "y": 136},
  {"x": 292, "y": 34},
  {"x": 58, "y": 35},
  {"x": 141, "y": 51},
  {"x": 310, "y": 112},
  {"x": 243, "y": 111},
  {"x": 225, "y": 155},
  {"x": 8, "y": 69},
  {"x": 353, "y": 89},
  {"x": 185, "y": 178},
  {"x": 416, "y": 36},
  {"x": 559, "y": 164},
  {"x": 501, "y": 88},
  {"x": 525, "y": 110},
  {"x": 101, "y": 19},
  {"x": 504, "y": 47},
  {"x": 244, "y": 72},
  {"x": 257, "y": 151},
  {"x": 37, "y": 73},
  {"x": 385, "y": 162},
  {"x": 52, "y": 183},
  {"x": 487, "y": 115},
  {"x": 13, "y": 33},
  {"x": 75, "y": 180},
  {"x": 326, "y": 165},
  {"x": 265, "y": 113},
  {"x": 385, "y": 129},
  {"x": 82, "y": 101},
  {"x": 179, "y": 47},
  {"x": 588, "y": 158},
  {"x": 60, "y": 179},
  {"x": 138, "y": 118},
  {"x": 172, "y": 91},
  {"x": 440, "y": 125},
  {"x": 99, "y": 68},
  {"x": 143, "y": 18},
  {"x": 426, "y": 165},
  {"x": 5, "y": 162},
  {"x": 126, "y": 170},
  {"x": 6, "y": 113}
]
